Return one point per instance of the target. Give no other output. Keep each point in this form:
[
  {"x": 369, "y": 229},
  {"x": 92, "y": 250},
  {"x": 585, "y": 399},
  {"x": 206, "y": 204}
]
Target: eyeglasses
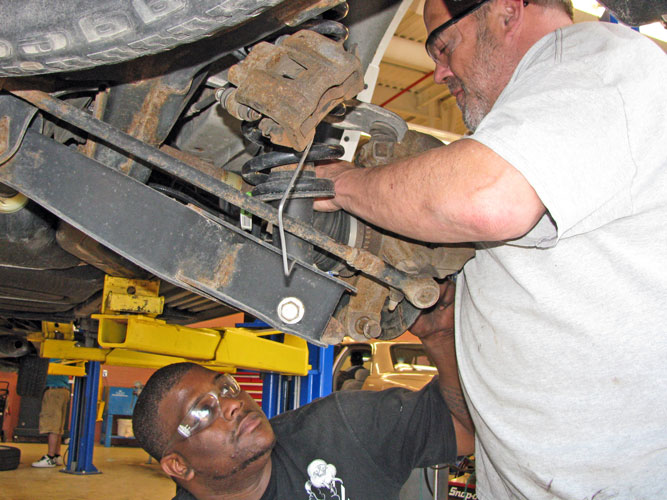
[
  {"x": 438, "y": 47},
  {"x": 205, "y": 410}
]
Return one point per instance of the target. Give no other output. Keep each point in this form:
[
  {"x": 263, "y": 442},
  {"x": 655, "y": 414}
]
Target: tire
[
  {"x": 32, "y": 376},
  {"x": 636, "y": 13},
  {"x": 10, "y": 457},
  {"x": 49, "y": 36}
]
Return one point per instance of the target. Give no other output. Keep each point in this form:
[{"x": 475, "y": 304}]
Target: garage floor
[{"x": 126, "y": 475}]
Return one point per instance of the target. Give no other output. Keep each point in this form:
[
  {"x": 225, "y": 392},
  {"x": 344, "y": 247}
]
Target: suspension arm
[
  {"x": 421, "y": 292},
  {"x": 173, "y": 241}
]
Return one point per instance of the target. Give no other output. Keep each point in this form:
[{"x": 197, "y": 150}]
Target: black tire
[
  {"x": 32, "y": 376},
  {"x": 10, "y": 457},
  {"x": 48, "y": 36},
  {"x": 637, "y": 13}
]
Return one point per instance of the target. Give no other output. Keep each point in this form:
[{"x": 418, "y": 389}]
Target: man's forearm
[
  {"x": 440, "y": 347},
  {"x": 398, "y": 197},
  {"x": 459, "y": 193}
]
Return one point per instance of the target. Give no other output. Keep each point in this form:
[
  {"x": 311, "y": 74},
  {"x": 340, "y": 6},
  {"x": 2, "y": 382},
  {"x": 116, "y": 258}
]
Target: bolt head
[
  {"x": 368, "y": 327},
  {"x": 372, "y": 330},
  {"x": 290, "y": 310}
]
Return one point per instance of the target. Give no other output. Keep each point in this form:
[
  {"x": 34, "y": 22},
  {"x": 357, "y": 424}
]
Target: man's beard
[
  {"x": 214, "y": 476},
  {"x": 485, "y": 71},
  {"x": 232, "y": 441},
  {"x": 243, "y": 465}
]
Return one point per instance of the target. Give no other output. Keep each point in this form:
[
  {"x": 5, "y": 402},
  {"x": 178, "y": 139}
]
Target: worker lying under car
[{"x": 214, "y": 441}]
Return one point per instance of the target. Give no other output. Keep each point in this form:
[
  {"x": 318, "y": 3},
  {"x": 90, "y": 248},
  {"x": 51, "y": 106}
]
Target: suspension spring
[{"x": 273, "y": 183}]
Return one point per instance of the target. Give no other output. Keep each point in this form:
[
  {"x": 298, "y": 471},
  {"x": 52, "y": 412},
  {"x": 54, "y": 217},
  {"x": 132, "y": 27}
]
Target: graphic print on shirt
[{"x": 323, "y": 483}]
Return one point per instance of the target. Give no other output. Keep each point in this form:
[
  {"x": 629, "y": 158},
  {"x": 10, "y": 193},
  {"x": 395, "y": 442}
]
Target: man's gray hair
[{"x": 564, "y": 5}]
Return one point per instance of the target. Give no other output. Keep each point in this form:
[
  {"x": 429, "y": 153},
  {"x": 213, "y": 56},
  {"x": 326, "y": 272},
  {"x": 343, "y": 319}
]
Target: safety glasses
[
  {"x": 205, "y": 410},
  {"x": 440, "y": 47}
]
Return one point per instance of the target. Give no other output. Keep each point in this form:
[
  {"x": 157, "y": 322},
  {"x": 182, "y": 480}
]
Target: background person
[{"x": 52, "y": 417}]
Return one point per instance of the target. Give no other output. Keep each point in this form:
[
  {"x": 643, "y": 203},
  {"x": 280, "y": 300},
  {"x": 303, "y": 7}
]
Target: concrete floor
[{"x": 126, "y": 475}]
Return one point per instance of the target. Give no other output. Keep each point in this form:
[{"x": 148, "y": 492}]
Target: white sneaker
[
  {"x": 58, "y": 459},
  {"x": 46, "y": 462}
]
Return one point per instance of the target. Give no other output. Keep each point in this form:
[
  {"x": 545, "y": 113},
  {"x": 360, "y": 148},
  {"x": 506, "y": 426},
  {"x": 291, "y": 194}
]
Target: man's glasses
[
  {"x": 440, "y": 48},
  {"x": 205, "y": 410}
]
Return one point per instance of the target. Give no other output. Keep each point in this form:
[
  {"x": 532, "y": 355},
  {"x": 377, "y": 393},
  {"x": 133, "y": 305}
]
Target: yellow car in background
[{"x": 378, "y": 365}]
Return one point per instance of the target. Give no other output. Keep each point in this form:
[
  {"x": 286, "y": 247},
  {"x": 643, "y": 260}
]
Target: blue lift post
[
  {"x": 281, "y": 393},
  {"x": 318, "y": 382},
  {"x": 82, "y": 426}
]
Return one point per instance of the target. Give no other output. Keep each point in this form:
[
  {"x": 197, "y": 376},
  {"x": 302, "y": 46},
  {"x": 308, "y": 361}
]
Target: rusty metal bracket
[
  {"x": 204, "y": 255},
  {"x": 421, "y": 291},
  {"x": 14, "y": 122},
  {"x": 295, "y": 84}
]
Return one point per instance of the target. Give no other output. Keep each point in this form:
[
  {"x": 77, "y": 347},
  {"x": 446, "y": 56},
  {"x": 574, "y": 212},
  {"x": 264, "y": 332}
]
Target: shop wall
[{"x": 120, "y": 376}]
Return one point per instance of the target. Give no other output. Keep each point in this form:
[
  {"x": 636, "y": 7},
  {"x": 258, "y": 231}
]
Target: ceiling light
[{"x": 654, "y": 30}]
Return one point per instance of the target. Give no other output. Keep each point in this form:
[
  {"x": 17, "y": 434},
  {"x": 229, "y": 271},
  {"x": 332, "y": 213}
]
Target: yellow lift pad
[
  {"x": 59, "y": 331},
  {"x": 124, "y": 295},
  {"x": 142, "y": 333},
  {"x": 247, "y": 349},
  {"x": 71, "y": 369}
]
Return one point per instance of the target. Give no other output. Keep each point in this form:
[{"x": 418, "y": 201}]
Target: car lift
[
  {"x": 129, "y": 334},
  {"x": 281, "y": 393}
]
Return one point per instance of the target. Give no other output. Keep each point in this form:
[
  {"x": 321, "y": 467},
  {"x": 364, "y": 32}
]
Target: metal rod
[{"x": 281, "y": 207}]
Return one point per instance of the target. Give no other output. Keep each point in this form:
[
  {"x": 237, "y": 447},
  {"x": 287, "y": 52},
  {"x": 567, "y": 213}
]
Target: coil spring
[{"x": 270, "y": 185}]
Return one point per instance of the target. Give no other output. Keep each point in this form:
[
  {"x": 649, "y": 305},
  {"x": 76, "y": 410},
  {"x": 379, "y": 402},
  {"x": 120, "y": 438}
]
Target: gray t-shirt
[{"x": 562, "y": 334}]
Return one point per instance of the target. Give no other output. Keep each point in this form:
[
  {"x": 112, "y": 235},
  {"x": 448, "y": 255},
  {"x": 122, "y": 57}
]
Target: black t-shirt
[{"x": 357, "y": 445}]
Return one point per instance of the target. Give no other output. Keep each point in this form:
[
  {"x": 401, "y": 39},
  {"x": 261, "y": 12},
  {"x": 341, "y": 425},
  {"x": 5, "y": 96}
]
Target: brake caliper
[{"x": 294, "y": 85}]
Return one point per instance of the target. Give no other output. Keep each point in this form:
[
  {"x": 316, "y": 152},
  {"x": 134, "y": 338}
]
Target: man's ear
[
  {"x": 510, "y": 13},
  {"x": 174, "y": 465}
]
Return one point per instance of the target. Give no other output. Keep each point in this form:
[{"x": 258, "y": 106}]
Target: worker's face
[
  {"x": 469, "y": 64},
  {"x": 235, "y": 445}
]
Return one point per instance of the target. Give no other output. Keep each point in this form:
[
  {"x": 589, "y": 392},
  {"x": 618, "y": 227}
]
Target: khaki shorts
[{"x": 54, "y": 410}]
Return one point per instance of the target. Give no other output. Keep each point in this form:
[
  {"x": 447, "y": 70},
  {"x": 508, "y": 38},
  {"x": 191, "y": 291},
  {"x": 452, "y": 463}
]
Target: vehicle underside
[{"x": 185, "y": 153}]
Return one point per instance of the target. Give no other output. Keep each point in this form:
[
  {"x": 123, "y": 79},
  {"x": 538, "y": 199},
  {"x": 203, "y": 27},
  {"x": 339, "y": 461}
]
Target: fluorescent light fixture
[{"x": 654, "y": 30}]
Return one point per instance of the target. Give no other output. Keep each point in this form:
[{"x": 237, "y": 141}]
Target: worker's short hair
[
  {"x": 146, "y": 423},
  {"x": 564, "y": 5}
]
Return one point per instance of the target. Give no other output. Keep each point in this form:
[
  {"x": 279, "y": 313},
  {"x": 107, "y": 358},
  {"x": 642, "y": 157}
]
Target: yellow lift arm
[
  {"x": 70, "y": 368},
  {"x": 130, "y": 335}
]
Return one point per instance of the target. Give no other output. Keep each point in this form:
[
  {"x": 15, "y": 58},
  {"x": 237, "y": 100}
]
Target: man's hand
[
  {"x": 331, "y": 171},
  {"x": 439, "y": 318}
]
